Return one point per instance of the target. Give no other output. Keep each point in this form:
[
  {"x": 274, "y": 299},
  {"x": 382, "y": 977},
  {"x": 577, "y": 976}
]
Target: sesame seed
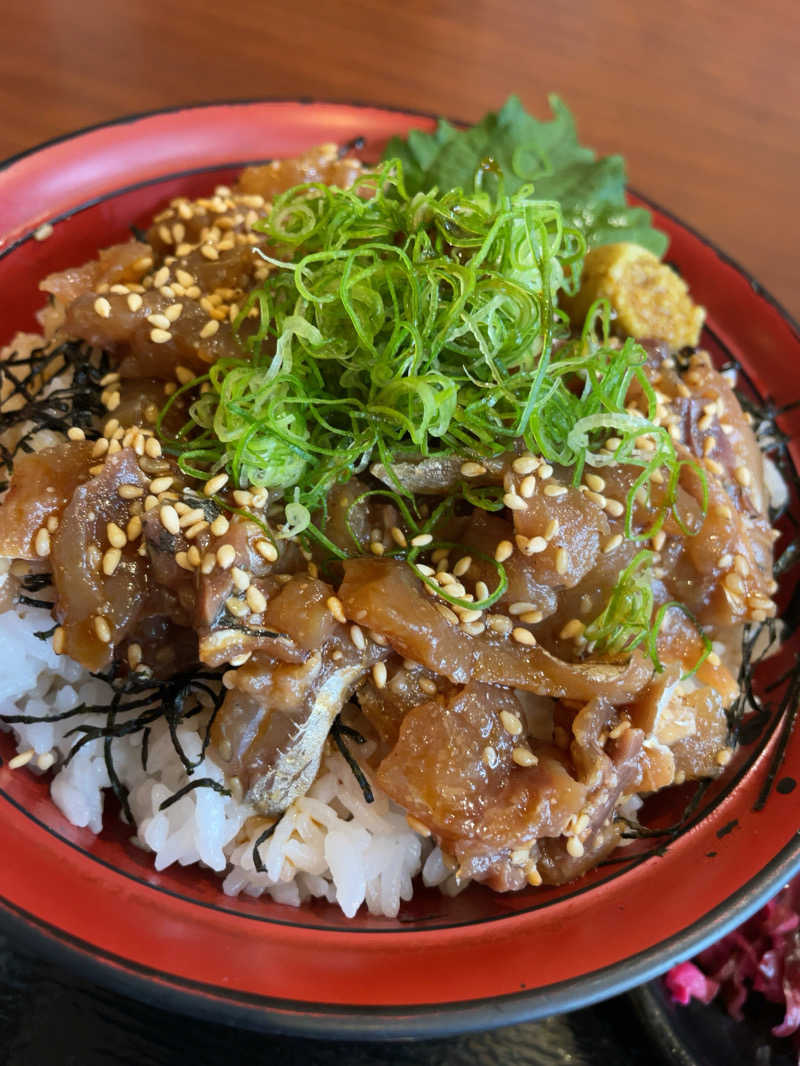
[
  {"x": 111, "y": 561},
  {"x": 357, "y": 637},
  {"x": 43, "y": 232},
  {"x": 169, "y": 519},
  {"x": 555, "y": 490},
  {"x": 514, "y": 502},
  {"x": 561, "y": 561},
  {"x": 161, "y": 277},
  {"x": 190, "y": 516},
  {"x": 447, "y": 614},
  {"x": 379, "y": 675},
  {"x": 481, "y": 590},
  {"x": 173, "y": 312},
  {"x": 523, "y": 636},
  {"x": 527, "y": 487},
  {"x": 503, "y": 551},
  {"x": 530, "y": 618},
  {"x": 242, "y": 498},
  {"x": 336, "y": 607},
  {"x": 134, "y": 301},
  {"x": 160, "y": 336},
  {"x": 256, "y": 600},
  {"x": 226, "y": 556},
  {"x": 532, "y": 875},
  {"x": 208, "y": 251},
  {"x": 530, "y": 545},
  {"x": 614, "y": 508},
  {"x": 76, "y": 433},
  {"x": 498, "y": 623},
  {"x": 102, "y": 629},
  {"x": 463, "y": 564},
  {"x": 116, "y": 538},
  {"x": 472, "y": 469},
  {"x": 102, "y": 307},
  {"x": 113, "y": 401},
  {"x": 733, "y": 583},
  {"x": 195, "y": 530},
  {"x": 421, "y": 540},
  {"x": 524, "y": 757},
  {"x": 100, "y": 448},
  {"x": 574, "y": 847},
  {"x": 612, "y": 543},
  {"x": 741, "y": 565},
  {"x": 161, "y": 484},
  {"x": 525, "y": 464},
  {"x": 595, "y": 482},
  {"x": 659, "y": 539},
  {"x": 214, "y": 484},
  {"x": 489, "y": 756},
  {"x": 417, "y": 826},
  {"x": 52, "y": 523},
  {"x": 159, "y": 320},
  {"x": 41, "y": 543},
  {"x": 573, "y": 628},
  {"x": 428, "y": 686},
  {"x": 723, "y": 757},
  {"x": 511, "y": 723},
  {"x": 521, "y": 607},
  {"x": 742, "y": 475},
  {"x": 709, "y": 444},
  {"x": 545, "y": 471},
  {"x": 21, "y": 760},
  {"x": 129, "y": 492},
  {"x": 184, "y": 375},
  {"x": 59, "y": 640},
  {"x": 265, "y": 548},
  {"x": 150, "y": 502}
]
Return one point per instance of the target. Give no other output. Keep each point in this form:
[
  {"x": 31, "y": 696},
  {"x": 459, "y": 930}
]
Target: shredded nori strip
[
  {"x": 259, "y": 865},
  {"x": 201, "y": 782},
  {"x": 338, "y": 732}
]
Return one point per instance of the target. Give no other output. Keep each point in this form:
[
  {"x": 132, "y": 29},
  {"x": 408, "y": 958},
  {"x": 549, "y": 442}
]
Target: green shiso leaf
[{"x": 591, "y": 191}]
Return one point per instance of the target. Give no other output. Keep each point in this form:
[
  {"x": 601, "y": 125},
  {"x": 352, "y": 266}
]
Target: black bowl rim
[{"x": 335, "y": 1021}]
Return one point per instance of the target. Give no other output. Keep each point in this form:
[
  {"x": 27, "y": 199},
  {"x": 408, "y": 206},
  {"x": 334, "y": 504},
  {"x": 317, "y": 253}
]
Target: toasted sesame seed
[
  {"x": 428, "y": 686},
  {"x": 134, "y": 301},
  {"x": 226, "y": 556},
  {"x": 527, "y": 487},
  {"x": 733, "y": 583},
  {"x": 498, "y": 623},
  {"x": 189, "y": 516},
  {"x": 523, "y": 636},
  {"x": 742, "y": 475},
  {"x": 265, "y": 548},
  {"x": 614, "y": 508},
  {"x": 357, "y": 637},
  {"x": 59, "y": 640},
  {"x": 256, "y": 600},
  {"x": 76, "y": 433},
  {"x": 561, "y": 561},
  {"x": 530, "y": 618},
  {"x": 521, "y": 607},
  {"x": 525, "y": 464},
  {"x": 41, "y": 543},
  {"x": 102, "y": 307},
  {"x": 161, "y": 484},
  {"x": 18, "y": 761},
  {"x": 421, "y": 540},
  {"x": 472, "y": 469},
  {"x": 160, "y": 336},
  {"x": 514, "y": 502},
  {"x": 463, "y": 564},
  {"x": 111, "y": 561},
  {"x": 169, "y": 519},
  {"x": 130, "y": 492},
  {"x": 530, "y": 545},
  {"x": 481, "y": 590},
  {"x": 446, "y": 613},
  {"x": 511, "y": 723},
  {"x": 116, "y": 537},
  {"x": 214, "y": 484},
  {"x": 102, "y": 629},
  {"x": 741, "y": 565},
  {"x": 503, "y": 551},
  {"x": 573, "y": 628},
  {"x": 574, "y": 847},
  {"x": 524, "y": 757},
  {"x": 723, "y": 756},
  {"x": 659, "y": 540},
  {"x": 379, "y": 675},
  {"x": 208, "y": 251},
  {"x": 489, "y": 756},
  {"x": 43, "y": 232},
  {"x": 555, "y": 490},
  {"x": 417, "y": 826},
  {"x": 161, "y": 277},
  {"x": 612, "y": 543},
  {"x": 173, "y": 312},
  {"x": 595, "y": 482},
  {"x": 336, "y": 607},
  {"x": 159, "y": 320},
  {"x": 134, "y": 655},
  {"x": 113, "y": 401}
]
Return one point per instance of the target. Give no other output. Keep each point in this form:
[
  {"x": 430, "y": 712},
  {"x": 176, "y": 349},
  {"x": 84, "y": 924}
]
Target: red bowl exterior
[{"x": 482, "y": 959}]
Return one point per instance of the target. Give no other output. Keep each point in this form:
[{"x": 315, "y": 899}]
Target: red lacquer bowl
[{"x": 445, "y": 965}]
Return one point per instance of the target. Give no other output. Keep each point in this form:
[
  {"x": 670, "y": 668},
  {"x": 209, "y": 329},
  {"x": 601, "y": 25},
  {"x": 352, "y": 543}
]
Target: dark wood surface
[{"x": 702, "y": 98}]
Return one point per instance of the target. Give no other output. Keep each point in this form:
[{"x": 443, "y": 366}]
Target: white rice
[{"x": 329, "y": 844}]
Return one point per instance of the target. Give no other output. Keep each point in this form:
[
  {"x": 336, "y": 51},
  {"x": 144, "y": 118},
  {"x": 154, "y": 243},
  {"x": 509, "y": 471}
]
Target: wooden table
[{"x": 703, "y": 99}]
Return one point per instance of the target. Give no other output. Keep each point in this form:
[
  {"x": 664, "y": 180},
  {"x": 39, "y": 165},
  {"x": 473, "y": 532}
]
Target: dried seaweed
[{"x": 338, "y": 733}]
